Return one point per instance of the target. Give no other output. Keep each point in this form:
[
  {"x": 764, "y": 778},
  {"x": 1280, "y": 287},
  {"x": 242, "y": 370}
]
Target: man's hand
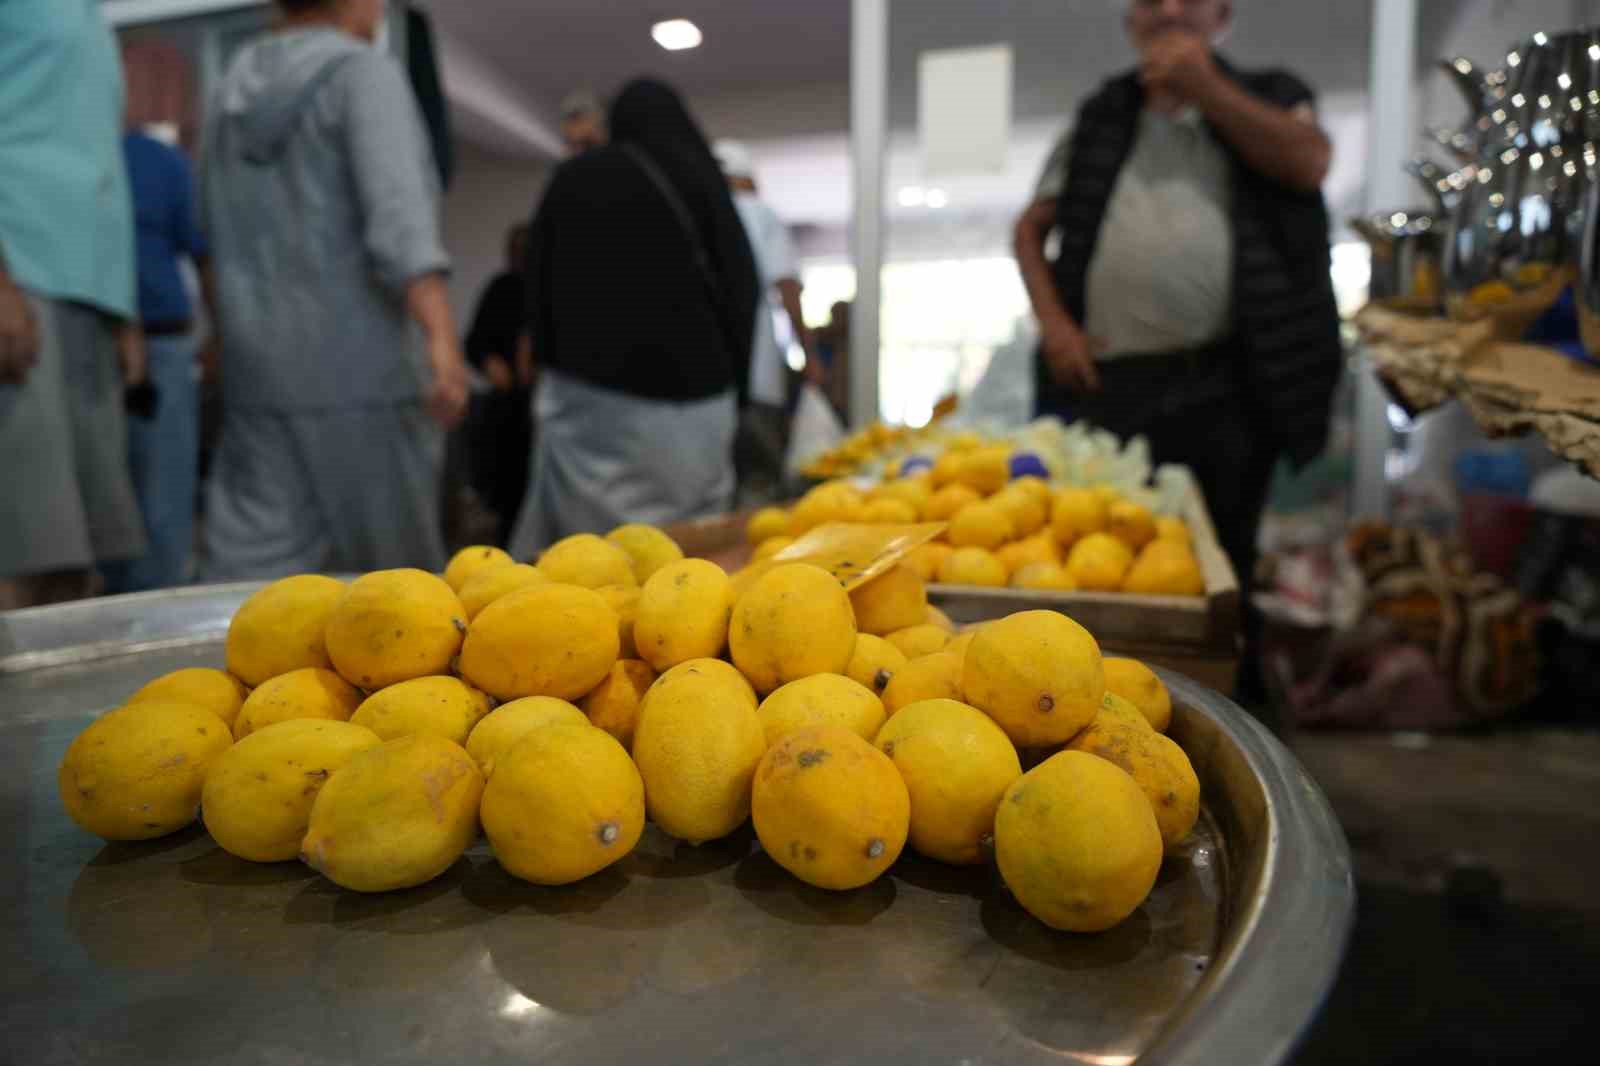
[
  {"x": 447, "y": 395},
  {"x": 1179, "y": 65},
  {"x": 209, "y": 357},
  {"x": 1070, "y": 354},
  {"x": 131, "y": 354},
  {"x": 498, "y": 371},
  {"x": 19, "y": 334}
]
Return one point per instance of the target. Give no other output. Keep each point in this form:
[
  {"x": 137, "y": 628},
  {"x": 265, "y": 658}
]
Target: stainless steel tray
[{"x": 175, "y": 952}]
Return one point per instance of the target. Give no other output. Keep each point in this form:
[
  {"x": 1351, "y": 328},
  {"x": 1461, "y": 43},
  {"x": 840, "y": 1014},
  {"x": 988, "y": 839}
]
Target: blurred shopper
[
  {"x": 1190, "y": 301},
  {"x": 583, "y": 122},
  {"x": 164, "y": 444},
  {"x": 642, "y": 302},
  {"x": 66, "y": 303},
  {"x": 321, "y": 202},
  {"x": 764, "y": 423},
  {"x": 832, "y": 342},
  {"x": 500, "y": 424}
]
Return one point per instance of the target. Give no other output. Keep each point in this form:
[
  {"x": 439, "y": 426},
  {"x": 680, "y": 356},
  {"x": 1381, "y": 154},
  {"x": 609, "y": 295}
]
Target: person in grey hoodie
[{"x": 340, "y": 362}]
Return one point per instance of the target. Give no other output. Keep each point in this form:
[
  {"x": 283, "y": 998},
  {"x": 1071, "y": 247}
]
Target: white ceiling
[{"x": 775, "y": 73}]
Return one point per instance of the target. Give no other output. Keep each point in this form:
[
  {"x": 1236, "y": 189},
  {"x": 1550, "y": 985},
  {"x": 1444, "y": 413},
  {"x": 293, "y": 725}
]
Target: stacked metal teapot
[{"x": 1509, "y": 224}]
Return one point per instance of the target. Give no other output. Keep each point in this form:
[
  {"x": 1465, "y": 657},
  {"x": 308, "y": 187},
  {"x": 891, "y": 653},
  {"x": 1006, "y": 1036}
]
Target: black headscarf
[{"x": 621, "y": 292}]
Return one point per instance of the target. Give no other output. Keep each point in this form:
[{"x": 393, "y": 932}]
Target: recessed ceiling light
[
  {"x": 676, "y": 34},
  {"x": 936, "y": 199},
  {"x": 913, "y": 196}
]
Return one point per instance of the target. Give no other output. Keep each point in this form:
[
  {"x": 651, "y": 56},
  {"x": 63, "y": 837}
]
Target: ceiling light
[
  {"x": 936, "y": 198},
  {"x": 676, "y": 34},
  {"x": 913, "y": 196}
]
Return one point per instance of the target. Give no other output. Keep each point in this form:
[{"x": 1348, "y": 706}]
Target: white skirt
[{"x": 604, "y": 458}]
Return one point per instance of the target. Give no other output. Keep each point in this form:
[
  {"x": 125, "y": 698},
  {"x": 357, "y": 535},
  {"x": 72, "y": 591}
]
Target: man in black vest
[{"x": 1190, "y": 300}]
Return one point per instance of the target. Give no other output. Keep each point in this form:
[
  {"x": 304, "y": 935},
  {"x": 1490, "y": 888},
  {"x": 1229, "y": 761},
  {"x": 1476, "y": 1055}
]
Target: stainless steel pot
[{"x": 1406, "y": 247}]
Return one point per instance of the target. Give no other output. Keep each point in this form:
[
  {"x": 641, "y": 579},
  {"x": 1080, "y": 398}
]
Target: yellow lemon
[
  {"x": 1117, "y": 712},
  {"x": 794, "y": 621},
  {"x": 888, "y": 513},
  {"x": 913, "y": 492},
  {"x": 394, "y": 816},
  {"x": 931, "y": 677},
  {"x": 1099, "y": 562},
  {"x": 1039, "y": 548},
  {"x": 545, "y": 640},
  {"x": 1025, "y": 511},
  {"x": 936, "y": 617},
  {"x": 1157, "y": 765},
  {"x": 218, "y": 692},
  {"x": 821, "y": 699},
  {"x": 916, "y": 641},
  {"x": 1165, "y": 568},
  {"x": 648, "y": 547},
  {"x": 697, "y": 743},
  {"x": 613, "y": 704},
  {"x": 949, "y": 501},
  {"x": 832, "y": 502},
  {"x": 972, "y": 566},
  {"x": 765, "y": 524},
  {"x": 1077, "y": 843},
  {"x": 258, "y": 794},
  {"x": 393, "y": 625},
  {"x": 624, "y": 601},
  {"x": 443, "y": 706},
  {"x": 1169, "y": 527},
  {"x": 980, "y": 525},
  {"x": 587, "y": 560},
  {"x": 895, "y": 599},
  {"x": 1139, "y": 685},
  {"x": 1132, "y": 523},
  {"x": 281, "y": 628},
  {"x": 136, "y": 773},
  {"x": 1037, "y": 487},
  {"x": 830, "y": 808},
  {"x": 770, "y": 547},
  {"x": 946, "y": 470},
  {"x": 874, "y": 662},
  {"x": 508, "y": 723},
  {"x": 1076, "y": 514},
  {"x": 483, "y": 589},
  {"x": 683, "y": 613},
  {"x": 725, "y": 673},
  {"x": 472, "y": 561},
  {"x": 307, "y": 693},
  {"x": 1038, "y": 674},
  {"x": 986, "y": 470},
  {"x": 1107, "y": 494},
  {"x": 925, "y": 559},
  {"x": 1043, "y": 577},
  {"x": 565, "y": 803},
  {"x": 956, "y": 764},
  {"x": 960, "y": 643}
]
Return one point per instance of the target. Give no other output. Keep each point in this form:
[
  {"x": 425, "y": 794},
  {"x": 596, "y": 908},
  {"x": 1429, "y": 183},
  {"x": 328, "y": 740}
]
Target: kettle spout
[
  {"x": 1432, "y": 178},
  {"x": 1369, "y": 231}
]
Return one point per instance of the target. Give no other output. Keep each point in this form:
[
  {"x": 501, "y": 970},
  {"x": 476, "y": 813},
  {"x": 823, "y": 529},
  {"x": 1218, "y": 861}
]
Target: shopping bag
[{"x": 816, "y": 429}]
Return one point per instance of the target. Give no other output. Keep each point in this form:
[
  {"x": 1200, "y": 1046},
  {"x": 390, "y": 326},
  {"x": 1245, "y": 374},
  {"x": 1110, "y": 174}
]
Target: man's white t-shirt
[{"x": 775, "y": 260}]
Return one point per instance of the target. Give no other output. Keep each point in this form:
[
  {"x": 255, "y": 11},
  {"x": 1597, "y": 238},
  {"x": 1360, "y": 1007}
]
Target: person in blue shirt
[
  {"x": 66, "y": 303},
  {"x": 164, "y": 444}
]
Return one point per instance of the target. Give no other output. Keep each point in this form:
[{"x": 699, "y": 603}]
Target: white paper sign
[{"x": 964, "y": 110}]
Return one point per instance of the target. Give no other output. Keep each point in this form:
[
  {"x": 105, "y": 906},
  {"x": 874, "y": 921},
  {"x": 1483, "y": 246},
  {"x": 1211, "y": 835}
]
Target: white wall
[{"x": 489, "y": 195}]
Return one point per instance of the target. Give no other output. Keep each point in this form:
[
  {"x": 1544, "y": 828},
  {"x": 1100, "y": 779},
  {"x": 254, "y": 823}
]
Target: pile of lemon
[
  {"x": 371, "y": 729},
  {"x": 1003, "y": 531}
]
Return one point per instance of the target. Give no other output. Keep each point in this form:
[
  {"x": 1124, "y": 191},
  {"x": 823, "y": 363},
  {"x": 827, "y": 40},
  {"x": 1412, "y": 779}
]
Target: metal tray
[{"x": 174, "y": 952}]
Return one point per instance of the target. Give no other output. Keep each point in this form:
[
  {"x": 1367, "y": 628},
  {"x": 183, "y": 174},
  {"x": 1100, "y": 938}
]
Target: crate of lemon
[
  {"x": 1155, "y": 586},
  {"x": 614, "y": 696}
]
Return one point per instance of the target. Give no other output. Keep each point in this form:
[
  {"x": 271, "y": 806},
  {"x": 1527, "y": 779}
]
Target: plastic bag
[
  {"x": 816, "y": 429},
  {"x": 1004, "y": 395}
]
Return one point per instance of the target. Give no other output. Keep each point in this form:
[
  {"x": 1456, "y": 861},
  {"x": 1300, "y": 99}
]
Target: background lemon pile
[
  {"x": 1020, "y": 533},
  {"x": 372, "y": 728}
]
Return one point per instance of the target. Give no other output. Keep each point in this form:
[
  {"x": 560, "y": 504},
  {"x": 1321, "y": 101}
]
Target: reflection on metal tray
[{"x": 174, "y": 952}]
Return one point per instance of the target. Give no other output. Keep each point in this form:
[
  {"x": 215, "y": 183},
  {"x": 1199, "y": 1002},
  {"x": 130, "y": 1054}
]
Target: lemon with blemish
[
  {"x": 472, "y": 561},
  {"x": 393, "y": 625},
  {"x": 1036, "y": 673}
]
